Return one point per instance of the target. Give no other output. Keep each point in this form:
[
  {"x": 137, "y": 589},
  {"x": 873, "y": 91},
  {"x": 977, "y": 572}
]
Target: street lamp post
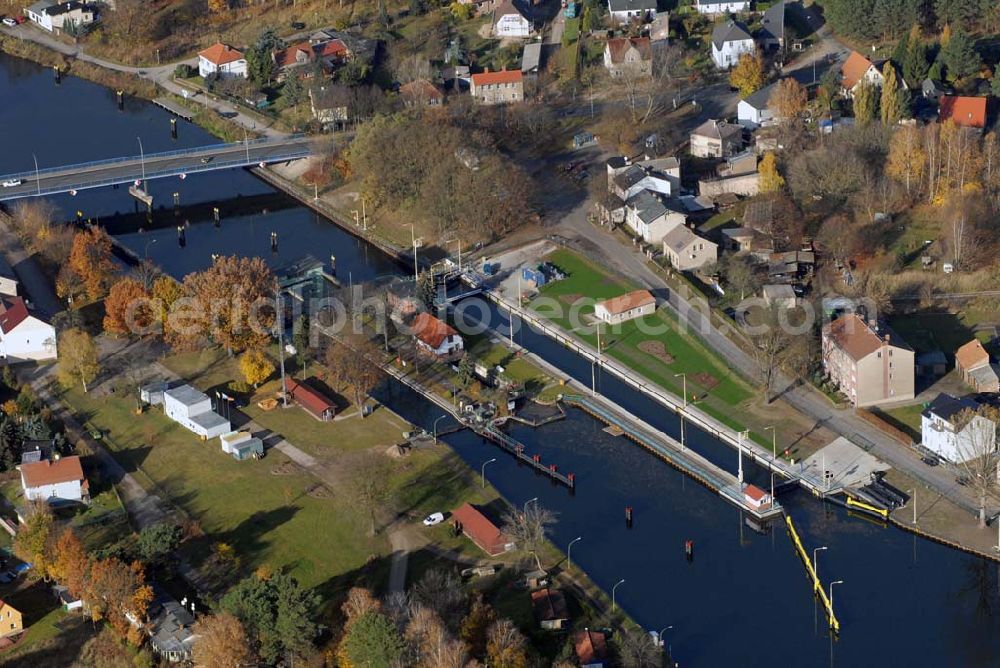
[
  {"x": 739, "y": 446},
  {"x": 662, "y": 632},
  {"x": 416, "y": 266},
  {"x": 459, "y": 242},
  {"x": 142, "y": 161},
  {"x": 614, "y": 604},
  {"x": 484, "y": 469},
  {"x": 246, "y": 143},
  {"x": 835, "y": 582},
  {"x": 525, "y": 511},
  {"x": 774, "y": 442},
  {"x": 684, "y": 379},
  {"x": 815, "y": 566},
  {"x": 569, "y": 552},
  {"x": 146, "y": 251},
  {"x": 913, "y": 500},
  {"x": 38, "y": 177},
  {"x": 279, "y": 321},
  {"x": 436, "y": 428}
]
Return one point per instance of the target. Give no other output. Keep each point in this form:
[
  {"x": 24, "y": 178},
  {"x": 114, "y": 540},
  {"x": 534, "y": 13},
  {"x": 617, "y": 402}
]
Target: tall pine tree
[
  {"x": 959, "y": 57},
  {"x": 865, "y": 102},
  {"x": 889, "y": 106}
]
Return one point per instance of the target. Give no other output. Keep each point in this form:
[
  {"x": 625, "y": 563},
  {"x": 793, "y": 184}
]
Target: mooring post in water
[
  {"x": 333, "y": 265},
  {"x": 149, "y": 211},
  {"x": 215, "y": 215},
  {"x": 177, "y": 200},
  {"x": 120, "y": 94},
  {"x": 628, "y": 516},
  {"x": 173, "y": 128},
  {"x": 181, "y": 238},
  {"x": 274, "y": 242},
  {"x": 57, "y": 73}
]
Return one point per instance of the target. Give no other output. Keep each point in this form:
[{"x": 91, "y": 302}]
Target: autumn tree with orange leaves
[
  {"x": 127, "y": 309},
  {"x": 232, "y": 305},
  {"x": 222, "y": 641},
  {"x": 70, "y": 562},
  {"x": 114, "y": 588},
  {"x": 90, "y": 259}
]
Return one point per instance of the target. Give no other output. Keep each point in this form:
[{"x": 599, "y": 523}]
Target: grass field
[
  {"x": 906, "y": 418},
  {"x": 683, "y": 353},
  {"x": 933, "y": 331}
]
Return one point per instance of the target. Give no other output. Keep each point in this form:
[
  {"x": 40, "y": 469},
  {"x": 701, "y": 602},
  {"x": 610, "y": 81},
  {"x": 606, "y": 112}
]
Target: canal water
[{"x": 743, "y": 600}]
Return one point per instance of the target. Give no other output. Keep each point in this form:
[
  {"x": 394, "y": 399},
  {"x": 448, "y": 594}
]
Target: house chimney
[{"x": 486, "y": 71}]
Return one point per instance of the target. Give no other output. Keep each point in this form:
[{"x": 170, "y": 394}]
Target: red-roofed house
[
  {"x": 312, "y": 400},
  {"x": 435, "y": 335},
  {"x": 967, "y": 112},
  {"x": 501, "y": 87},
  {"x": 22, "y": 335},
  {"x": 330, "y": 53},
  {"x": 549, "y": 606},
  {"x": 628, "y": 55},
  {"x": 421, "y": 93},
  {"x": 591, "y": 648},
  {"x": 480, "y": 530},
  {"x": 57, "y": 480},
  {"x": 756, "y": 497},
  {"x": 223, "y": 60},
  {"x": 856, "y": 69},
  {"x": 628, "y": 306}
]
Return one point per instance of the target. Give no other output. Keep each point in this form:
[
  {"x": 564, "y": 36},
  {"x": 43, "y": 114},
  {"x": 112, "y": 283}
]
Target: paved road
[
  {"x": 133, "y": 168},
  {"x": 161, "y": 75}
]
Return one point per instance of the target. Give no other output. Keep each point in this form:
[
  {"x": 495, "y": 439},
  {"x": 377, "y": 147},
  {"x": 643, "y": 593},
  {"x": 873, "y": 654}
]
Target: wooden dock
[{"x": 174, "y": 108}]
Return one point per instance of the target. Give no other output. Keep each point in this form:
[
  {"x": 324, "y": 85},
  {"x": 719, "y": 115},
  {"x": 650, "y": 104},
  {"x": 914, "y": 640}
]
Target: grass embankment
[
  {"x": 130, "y": 83},
  {"x": 658, "y": 357}
]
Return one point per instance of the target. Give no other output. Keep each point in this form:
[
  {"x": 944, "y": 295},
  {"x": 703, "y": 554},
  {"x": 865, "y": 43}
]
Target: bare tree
[
  {"x": 354, "y": 362},
  {"x": 506, "y": 647},
  {"x": 529, "y": 527},
  {"x": 368, "y": 475},
  {"x": 433, "y": 645},
  {"x": 441, "y": 592},
  {"x": 976, "y": 439},
  {"x": 637, "y": 649}
]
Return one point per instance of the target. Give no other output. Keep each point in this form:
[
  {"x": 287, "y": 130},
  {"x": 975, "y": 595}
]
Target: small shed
[
  {"x": 152, "y": 393},
  {"x": 311, "y": 400},
  {"x": 756, "y": 498},
  {"x": 480, "y": 530},
  {"x": 68, "y": 602},
  {"x": 549, "y": 606},
  {"x": 932, "y": 364},
  {"x": 242, "y": 445},
  {"x": 581, "y": 139}
]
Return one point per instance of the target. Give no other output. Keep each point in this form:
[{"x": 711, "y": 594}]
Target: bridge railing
[
  {"x": 213, "y": 166},
  {"x": 152, "y": 156}
]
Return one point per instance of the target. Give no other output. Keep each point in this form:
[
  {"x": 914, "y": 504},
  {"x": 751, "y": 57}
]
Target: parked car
[
  {"x": 8, "y": 21},
  {"x": 433, "y": 518},
  {"x": 298, "y": 25},
  {"x": 11, "y": 183},
  {"x": 930, "y": 461}
]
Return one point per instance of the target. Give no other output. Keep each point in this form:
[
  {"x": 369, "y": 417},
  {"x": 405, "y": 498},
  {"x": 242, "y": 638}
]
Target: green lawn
[
  {"x": 906, "y": 418},
  {"x": 718, "y": 387}
]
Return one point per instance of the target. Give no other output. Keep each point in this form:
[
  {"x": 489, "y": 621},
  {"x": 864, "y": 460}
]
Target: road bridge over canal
[{"x": 146, "y": 166}]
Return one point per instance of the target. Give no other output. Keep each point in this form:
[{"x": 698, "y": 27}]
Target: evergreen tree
[
  {"x": 915, "y": 64},
  {"x": 959, "y": 57},
  {"x": 260, "y": 63},
  {"x": 889, "y": 105},
  {"x": 901, "y": 50},
  {"x": 293, "y": 92},
  {"x": 11, "y": 443},
  {"x": 418, "y": 7},
  {"x": 865, "y": 103},
  {"x": 426, "y": 290}
]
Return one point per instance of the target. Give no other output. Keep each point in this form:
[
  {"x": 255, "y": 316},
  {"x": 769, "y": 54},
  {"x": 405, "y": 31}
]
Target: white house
[
  {"x": 755, "y": 110},
  {"x": 650, "y": 218},
  {"x": 223, "y": 60},
  {"x": 54, "y": 481},
  {"x": 730, "y": 40},
  {"x": 627, "y": 178},
  {"x": 8, "y": 279},
  {"x": 939, "y": 431},
  {"x": 22, "y": 335},
  {"x": 716, "y": 7},
  {"x": 193, "y": 410},
  {"x": 436, "y": 336},
  {"x": 857, "y": 69},
  {"x": 511, "y": 20},
  {"x": 629, "y": 306},
  {"x": 716, "y": 139},
  {"x": 624, "y": 11},
  {"x": 687, "y": 251},
  {"x": 60, "y": 17}
]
